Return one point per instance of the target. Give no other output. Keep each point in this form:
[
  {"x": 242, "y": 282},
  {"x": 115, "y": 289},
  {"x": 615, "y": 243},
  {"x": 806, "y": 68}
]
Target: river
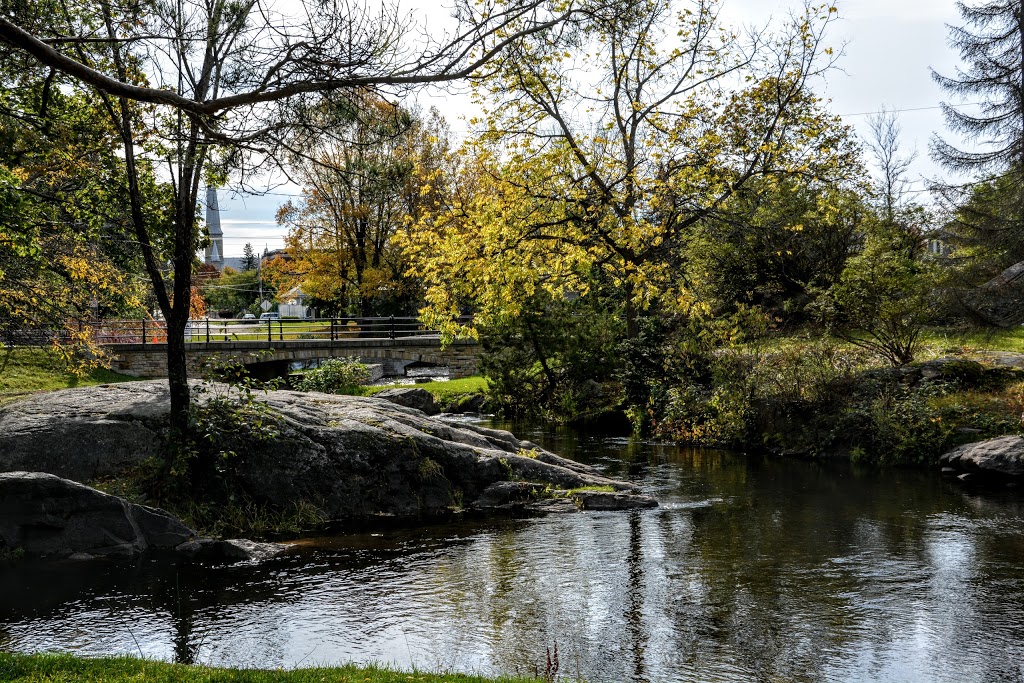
[{"x": 753, "y": 569}]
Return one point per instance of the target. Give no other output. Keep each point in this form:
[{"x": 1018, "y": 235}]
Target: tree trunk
[
  {"x": 177, "y": 380},
  {"x": 632, "y": 327}
]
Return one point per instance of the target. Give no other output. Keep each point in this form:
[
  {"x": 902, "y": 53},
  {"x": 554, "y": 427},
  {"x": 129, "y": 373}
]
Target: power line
[{"x": 909, "y": 109}]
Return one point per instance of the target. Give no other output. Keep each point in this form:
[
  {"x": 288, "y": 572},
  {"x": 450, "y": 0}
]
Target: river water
[{"x": 752, "y": 569}]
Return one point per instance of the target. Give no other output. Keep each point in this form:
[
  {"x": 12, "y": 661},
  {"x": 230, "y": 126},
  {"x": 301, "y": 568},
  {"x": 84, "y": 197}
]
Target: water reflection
[{"x": 752, "y": 570}]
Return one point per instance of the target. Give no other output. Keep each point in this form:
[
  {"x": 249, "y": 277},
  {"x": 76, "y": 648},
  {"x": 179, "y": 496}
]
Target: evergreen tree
[
  {"x": 990, "y": 42},
  {"x": 987, "y": 230},
  {"x": 248, "y": 257}
]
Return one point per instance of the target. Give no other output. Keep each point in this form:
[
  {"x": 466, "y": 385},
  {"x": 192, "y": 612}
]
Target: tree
[
  {"x": 884, "y": 297},
  {"x": 986, "y": 227},
  {"x": 249, "y": 259},
  {"x": 63, "y": 228},
  {"x": 780, "y": 241},
  {"x": 992, "y": 43},
  {"x": 360, "y": 191},
  {"x": 884, "y": 145},
  {"x": 603, "y": 156},
  {"x": 235, "y": 292},
  {"x": 207, "y": 85}
]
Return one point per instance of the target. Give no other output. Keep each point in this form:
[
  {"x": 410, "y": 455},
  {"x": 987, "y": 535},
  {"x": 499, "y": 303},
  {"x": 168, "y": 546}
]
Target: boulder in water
[
  {"x": 1001, "y": 458},
  {"x": 43, "y": 514}
]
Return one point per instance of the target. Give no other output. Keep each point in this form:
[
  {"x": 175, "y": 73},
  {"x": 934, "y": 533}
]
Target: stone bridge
[{"x": 267, "y": 359}]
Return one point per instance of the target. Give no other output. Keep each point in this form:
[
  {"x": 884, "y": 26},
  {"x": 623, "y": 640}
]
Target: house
[{"x": 293, "y": 304}]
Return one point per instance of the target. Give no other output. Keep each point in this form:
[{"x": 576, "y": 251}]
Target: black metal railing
[{"x": 211, "y": 331}]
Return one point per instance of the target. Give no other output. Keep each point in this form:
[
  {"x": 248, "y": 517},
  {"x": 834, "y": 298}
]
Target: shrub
[
  {"x": 337, "y": 376},
  {"x": 884, "y": 298},
  {"x": 710, "y": 417},
  {"x": 547, "y": 360}
]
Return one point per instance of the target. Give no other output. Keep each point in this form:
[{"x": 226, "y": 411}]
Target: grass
[
  {"x": 441, "y": 390},
  {"x": 256, "y": 330},
  {"x": 54, "y": 668},
  {"x": 941, "y": 340},
  {"x": 592, "y": 489},
  {"x": 31, "y": 370},
  {"x": 935, "y": 342}
]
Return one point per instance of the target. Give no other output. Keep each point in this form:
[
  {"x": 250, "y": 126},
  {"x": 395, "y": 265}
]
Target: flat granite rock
[
  {"x": 353, "y": 457},
  {"x": 1002, "y": 457},
  {"x": 43, "y": 514}
]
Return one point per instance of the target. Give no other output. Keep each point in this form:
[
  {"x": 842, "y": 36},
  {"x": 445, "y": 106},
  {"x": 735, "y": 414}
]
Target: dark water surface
[{"x": 751, "y": 570}]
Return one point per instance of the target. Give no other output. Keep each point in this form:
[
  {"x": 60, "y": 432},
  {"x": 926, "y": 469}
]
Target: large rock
[
  {"x": 420, "y": 399},
  {"x": 83, "y": 434},
  {"x": 1002, "y": 457},
  {"x": 45, "y": 515},
  {"x": 231, "y": 550},
  {"x": 513, "y": 495},
  {"x": 608, "y": 500},
  {"x": 353, "y": 457}
]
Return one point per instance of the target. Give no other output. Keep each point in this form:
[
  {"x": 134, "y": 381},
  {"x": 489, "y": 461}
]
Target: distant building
[
  {"x": 215, "y": 249},
  {"x": 271, "y": 254},
  {"x": 214, "y": 255},
  {"x": 293, "y": 304},
  {"x": 206, "y": 272}
]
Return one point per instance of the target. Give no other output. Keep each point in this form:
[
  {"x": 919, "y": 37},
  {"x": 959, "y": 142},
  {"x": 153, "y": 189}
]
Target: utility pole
[{"x": 259, "y": 273}]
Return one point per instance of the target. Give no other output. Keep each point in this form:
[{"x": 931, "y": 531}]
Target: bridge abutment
[{"x": 150, "y": 360}]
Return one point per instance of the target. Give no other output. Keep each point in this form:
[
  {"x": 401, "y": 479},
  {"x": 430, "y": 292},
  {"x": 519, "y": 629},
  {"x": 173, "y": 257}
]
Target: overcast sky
[{"x": 889, "y": 47}]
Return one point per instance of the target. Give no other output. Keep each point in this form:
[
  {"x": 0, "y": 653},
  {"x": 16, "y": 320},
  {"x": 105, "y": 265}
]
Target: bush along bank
[
  {"x": 822, "y": 399},
  {"x": 349, "y": 376}
]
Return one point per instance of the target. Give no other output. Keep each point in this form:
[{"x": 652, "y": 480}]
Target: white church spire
[{"x": 215, "y": 251}]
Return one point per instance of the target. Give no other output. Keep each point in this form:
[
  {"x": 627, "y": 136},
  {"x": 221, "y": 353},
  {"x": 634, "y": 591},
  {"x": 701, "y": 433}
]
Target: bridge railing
[{"x": 211, "y": 331}]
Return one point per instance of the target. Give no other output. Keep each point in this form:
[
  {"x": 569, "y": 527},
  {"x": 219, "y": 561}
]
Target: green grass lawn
[
  {"x": 66, "y": 668},
  {"x": 30, "y": 370},
  {"x": 441, "y": 390}
]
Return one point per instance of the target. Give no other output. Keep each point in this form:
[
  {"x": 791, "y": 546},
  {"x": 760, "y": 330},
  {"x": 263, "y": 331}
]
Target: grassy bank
[
  {"x": 28, "y": 370},
  {"x": 66, "y": 668},
  {"x": 441, "y": 390},
  {"x": 451, "y": 396}
]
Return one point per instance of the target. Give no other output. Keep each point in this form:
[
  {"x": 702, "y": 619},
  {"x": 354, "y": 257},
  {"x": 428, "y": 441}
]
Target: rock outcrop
[
  {"x": 42, "y": 514},
  {"x": 353, "y": 457},
  {"x": 420, "y": 399},
  {"x": 82, "y": 434},
  {"x": 999, "y": 458}
]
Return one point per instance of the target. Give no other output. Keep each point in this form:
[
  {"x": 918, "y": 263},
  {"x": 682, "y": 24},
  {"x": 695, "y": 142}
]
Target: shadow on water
[{"x": 752, "y": 569}]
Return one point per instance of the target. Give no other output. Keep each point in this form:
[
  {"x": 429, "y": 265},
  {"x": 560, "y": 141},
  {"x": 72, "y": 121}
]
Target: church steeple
[{"x": 215, "y": 251}]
